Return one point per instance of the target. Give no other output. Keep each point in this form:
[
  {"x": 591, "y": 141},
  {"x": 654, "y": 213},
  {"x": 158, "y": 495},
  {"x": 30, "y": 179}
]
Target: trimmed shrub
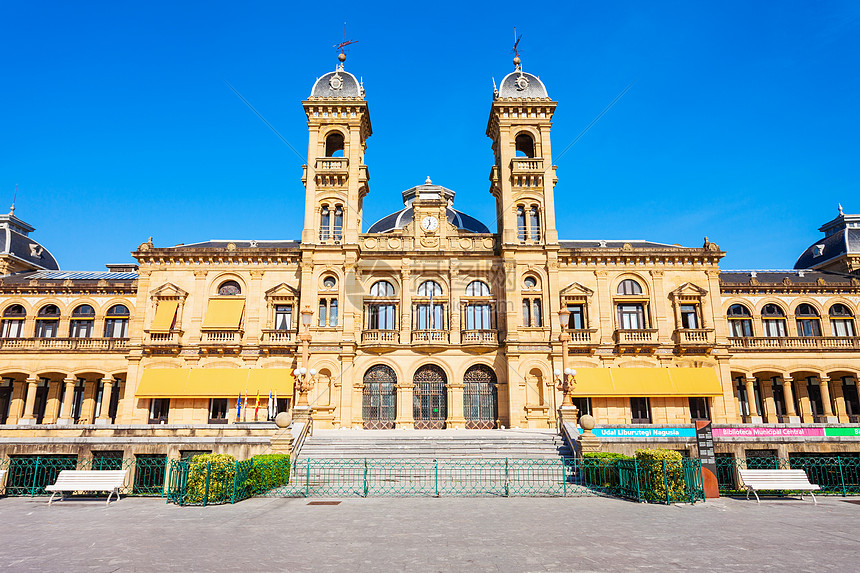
[
  {"x": 221, "y": 472},
  {"x": 269, "y": 471},
  {"x": 601, "y": 468},
  {"x": 653, "y": 480}
]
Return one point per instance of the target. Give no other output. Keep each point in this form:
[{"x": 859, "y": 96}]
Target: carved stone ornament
[
  {"x": 522, "y": 83},
  {"x": 786, "y": 281},
  {"x": 821, "y": 282},
  {"x": 754, "y": 281},
  {"x": 627, "y": 247},
  {"x": 335, "y": 82},
  {"x": 231, "y": 246}
]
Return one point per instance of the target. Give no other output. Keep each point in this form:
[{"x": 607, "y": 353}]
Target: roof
[
  {"x": 843, "y": 242},
  {"x": 616, "y": 244},
  {"x": 54, "y": 275},
  {"x": 795, "y": 276},
  {"x": 338, "y": 84},
  {"x": 14, "y": 241},
  {"x": 520, "y": 84},
  {"x": 239, "y": 244}
]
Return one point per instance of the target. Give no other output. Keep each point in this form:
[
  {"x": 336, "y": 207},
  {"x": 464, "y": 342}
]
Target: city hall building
[{"x": 425, "y": 319}]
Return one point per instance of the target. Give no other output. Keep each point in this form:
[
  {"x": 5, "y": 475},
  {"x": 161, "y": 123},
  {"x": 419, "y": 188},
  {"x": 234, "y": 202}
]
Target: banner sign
[
  {"x": 767, "y": 432},
  {"x": 645, "y": 432},
  {"x": 842, "y": 432}
]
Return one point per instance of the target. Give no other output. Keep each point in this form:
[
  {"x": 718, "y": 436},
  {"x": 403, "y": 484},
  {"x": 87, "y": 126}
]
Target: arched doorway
[
  {"x": 430, "y": 400},
  {"x": 480, "y": 398},
  {"x": 379, "y": 398}
]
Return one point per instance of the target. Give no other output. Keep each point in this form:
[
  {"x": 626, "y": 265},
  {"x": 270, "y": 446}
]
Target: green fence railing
[
  {"x": 28, "y": 475},
  {"x": 836, "y": 475},
  {"x": 215, "y": 482}
]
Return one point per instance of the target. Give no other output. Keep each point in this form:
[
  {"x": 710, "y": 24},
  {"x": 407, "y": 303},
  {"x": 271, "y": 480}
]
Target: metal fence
[
  {"x": 28, "y": 475},
  {"x": 213, "y": 482},
  {"x": 836, "y": 475}
]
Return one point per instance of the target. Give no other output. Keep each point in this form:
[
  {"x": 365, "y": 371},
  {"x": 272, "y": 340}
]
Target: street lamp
[
  {"x": 564, "y": 383},
  {"x": 304, "y": 376}
]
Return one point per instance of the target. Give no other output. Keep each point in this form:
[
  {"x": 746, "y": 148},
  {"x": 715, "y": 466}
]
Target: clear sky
[{"x": 743, "y": 123}]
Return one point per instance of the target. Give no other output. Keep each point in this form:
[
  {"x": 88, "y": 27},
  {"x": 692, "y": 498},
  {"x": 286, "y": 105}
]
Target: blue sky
[{"x": 743, "y": 123}]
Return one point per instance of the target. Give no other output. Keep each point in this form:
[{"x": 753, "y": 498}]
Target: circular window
[
  {"x": 329, "y": 282},
  {"x": 530, "y": 283}
]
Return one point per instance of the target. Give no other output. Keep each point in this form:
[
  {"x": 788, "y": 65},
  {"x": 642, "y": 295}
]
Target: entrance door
[
  {"x": 480, "y": 398},
  {"x": 379, "y": 398},
  {"x": 430, "y": 401}
]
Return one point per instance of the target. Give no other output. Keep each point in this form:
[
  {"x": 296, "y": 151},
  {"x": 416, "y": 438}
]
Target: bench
[
  {"x": 3, "y": 478},
  {"x": 777, "y": 479},
  {"x": 88, "y": 480}
]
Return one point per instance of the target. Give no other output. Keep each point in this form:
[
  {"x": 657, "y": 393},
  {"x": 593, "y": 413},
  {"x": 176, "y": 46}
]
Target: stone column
[
  {"x": 404, "y": 417},
  {"x": 68, "y": 401},
  {"x": 455, "y": 406},
  {"x": 803, "y": 398},
  {"x": 52, "y": 405},
  {"x": 839, "y": 401},
  {"x": 16, "y": 406},
  {"x": 104, "y": 414},
  {"x": 766, "y": 388},
  {"x": 30, "y": 403},
  {"x": 88, "y": 408},
  {"x": 754, "y": 416},
  {"x": 825, "y": 401},
  {"x": 792, "y": 416}
]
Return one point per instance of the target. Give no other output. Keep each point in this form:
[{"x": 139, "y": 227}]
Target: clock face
[{"x": 429, "y": 223}]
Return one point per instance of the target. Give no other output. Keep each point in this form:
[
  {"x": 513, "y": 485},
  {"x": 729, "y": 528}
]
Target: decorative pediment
[
  {"x": 282, "y": 291},
  {"x": 688, "y": 290},
  {"x": 576, "y": 289},
  {"x": 169, "y": 290}
]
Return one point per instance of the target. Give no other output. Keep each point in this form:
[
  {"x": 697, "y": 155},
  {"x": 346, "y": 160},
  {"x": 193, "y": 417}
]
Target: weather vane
[
  {"x": 516, "y": 51},
  {"x": 344, "y": 42}
]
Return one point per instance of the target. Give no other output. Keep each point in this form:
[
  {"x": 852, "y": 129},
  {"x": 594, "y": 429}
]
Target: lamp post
[
  {"x": 565, "y": 378},
  {"x": 304, "y": 376}
]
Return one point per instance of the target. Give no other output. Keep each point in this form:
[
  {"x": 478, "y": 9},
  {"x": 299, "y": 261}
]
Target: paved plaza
[{"x": 426, "y": 534}]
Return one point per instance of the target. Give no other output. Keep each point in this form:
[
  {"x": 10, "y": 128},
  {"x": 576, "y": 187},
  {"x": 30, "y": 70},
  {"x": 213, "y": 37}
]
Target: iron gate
[
  {"x": 379, "y": 398},
  {"x": 430, "y": 401},
  {"x": 480, "y": 398}
]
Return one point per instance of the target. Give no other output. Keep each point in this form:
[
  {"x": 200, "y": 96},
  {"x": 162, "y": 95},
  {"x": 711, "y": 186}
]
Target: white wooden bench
[
  {"x": 2, "y": 478},
  {"x": 88, "y": 480},
  {"x": 793, "y": 480}
]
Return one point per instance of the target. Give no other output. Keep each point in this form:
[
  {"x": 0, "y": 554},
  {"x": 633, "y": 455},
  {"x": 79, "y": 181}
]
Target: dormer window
[{"x": 817, "y": 250}]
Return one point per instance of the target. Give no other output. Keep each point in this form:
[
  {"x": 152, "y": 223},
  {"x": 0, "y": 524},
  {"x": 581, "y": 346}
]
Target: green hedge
[
  {"x": 601, "y": 469},
  {"x": 269, "y": 471},
  {"x": 653, "y": 480},
  {"x": 221, "y": 471}
]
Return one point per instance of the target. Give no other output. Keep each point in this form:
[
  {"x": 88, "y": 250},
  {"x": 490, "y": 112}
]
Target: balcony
[
  {"x": 526, "y": 165},
  {"x": 695, "y": 338},
  {"x": 430, "y": 339},
  {"x": 278, "y": 337},
  {"x": 163, "y": 338},
  {"x": 63, "y": 344},
  {"x": 332, "y": 164},
  {"x": 380, "y": 339},
  {"x": 795, "y": 343},
  {"x": 479, "y": 338},
  {"x": 638, "y": 339},
  {"x": 221, "y": 340}
]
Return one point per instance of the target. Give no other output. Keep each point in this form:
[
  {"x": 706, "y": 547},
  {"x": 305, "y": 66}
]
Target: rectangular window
[
  {"x": 631, "y": 316},
  {"x": 338, "y": 223},
  {"x": 773, "y": 327},
  {"x": 699, "y": 409},
  {"x": 808, "y": 327},
  {"x": 842, "y": 327},
  {"x": 332, "y": 312},
  {"x": 534, "y": 223},
  {"x": 478, "y": 317},
  {"x": 583, "y": 407},
  {"x": 12, "y": 329},
  {"x": 537, "y": 317},
  {"x": 527, "y": 313},
  {"x": 107, "y": 460},
  {"x": 116, "y": 328},
  {"x": 380, "y": 316},
  {"x": 640, "y": 411},
  {"x": 741, "y": 328},
  {"x": 521, "y": 224},
  {"x": 778, "y": 397},
  {"x": 218, "y": 411},
  {"x": 81, "y": 329},
  {"x": 689, "y": 316},
  {"x": 158, "y": 409},
  {"x": 283, "y": 317},
  {"x": 576, "y": 320},
  {"x": 814, "y": 392},
  {"x": 323, "y": 312},
  {"x": 47, "y": 328},
  {"x": 849, "y": 391},
  {"x": 741, "y": 390},
  {"x": 430, "y": 317}
]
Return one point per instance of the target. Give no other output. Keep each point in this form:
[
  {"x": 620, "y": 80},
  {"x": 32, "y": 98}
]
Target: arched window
[
  {"x": 229, "y": 288},
  {"x": 740, "y": 321},
  {"x": 477, "y": 288},
  {"x": 116, "y": 321},
  {"x": 13, "y": 322},
  {"x": 325, "y": 222},
  {"x": 337, "y": 231},
  {"x": 429, "y": 288},
  {"x": 629, "y": 287},
  {"x": 81, "y": 325},
  {"x": 382, "y": 288},
  {"x": 525, "y": 145},
  {"x": 808, "y": 322},
  {"x": 480, "y": 399},
  {"x": 379, "y": 398},
  {"x": 47, "y": 321},
  {"x": 328, "y": 305},
  {"x": 334, "y": 144},
  {"x": 522, "y": 230},
  {"x": 841, "y": 321},
  {"x": 534, "y": 223},
  {"x": 532, "y": 303},
  {"x": 773, "y": 321},
  {"x": 430, "y": 404},
  {"x": 329, "y": 283}
]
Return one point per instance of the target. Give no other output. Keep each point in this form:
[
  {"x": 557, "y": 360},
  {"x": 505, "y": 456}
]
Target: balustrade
[
  {"x": 63, "y": 344},
  {"x": 379, "y": 336},
  {"x": 480, "y": 337},
  {"x": 638, "y": 336},
  {"x": 795, "y": 343}
]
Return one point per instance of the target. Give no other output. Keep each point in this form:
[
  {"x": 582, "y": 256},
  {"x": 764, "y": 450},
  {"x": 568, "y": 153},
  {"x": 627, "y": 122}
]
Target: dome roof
[
  {"x": 338, "y": 84},
  {"x": 15, "y": 241},
  {"x": 841, "y": 237},
  {"x": 406, "y": 215},
  {"x": 519, "y": 84}
]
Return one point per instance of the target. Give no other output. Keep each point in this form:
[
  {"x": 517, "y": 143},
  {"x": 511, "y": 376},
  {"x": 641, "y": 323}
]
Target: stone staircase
[{"x": 434, "y": 444}]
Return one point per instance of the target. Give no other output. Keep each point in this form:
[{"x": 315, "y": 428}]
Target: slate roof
[
  {"x": 799, "y": 276},
  {"x": 240, "y": 244},
  {"x": 53, "y": 275},
  {"x": 845, "y": 241},
  {"x": 519, "y": 84},
  {"x": 337, "y": 84},
  {"x": 23, "y": 247},
  {"x": 616, "y": 244},
  {"x": 406, "y": 215}
]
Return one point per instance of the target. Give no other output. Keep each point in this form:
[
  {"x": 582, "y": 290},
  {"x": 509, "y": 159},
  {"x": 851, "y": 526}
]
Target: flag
[
  {"x": 269, "y": 407},
  {"x": 432, "y": 314},
  {"x": 245, "y": 407},
  {"x": 239, "y": 408},
  {"x": 257, "y": 406},
  {"x": 275, "y": 404}
]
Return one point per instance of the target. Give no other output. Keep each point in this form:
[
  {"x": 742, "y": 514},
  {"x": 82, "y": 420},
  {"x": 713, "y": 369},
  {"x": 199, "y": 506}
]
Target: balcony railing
[
  {"x": 526, "y": 165},
  {"x": 479, "y": 337},
  {"x": 695, "y": 336},
  {"x": 221, "y": 337},
  {"x": 163, "y": 338},
  {"x": 278, "y": 336},
  {"x": 581, "y": 336},
  {"x": 801, "y": 343},
  {"x": 430, "y": 336},
  {"x": 332, "y": 164},
  {"x": 64, "y": 344},
  {"x": 380, "y": 336},
  {"x": 638, "y": 336}
]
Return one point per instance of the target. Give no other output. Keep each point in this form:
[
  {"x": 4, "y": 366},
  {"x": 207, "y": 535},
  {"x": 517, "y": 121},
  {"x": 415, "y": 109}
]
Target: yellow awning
[
  {"x": 649, "y": 382},
  {"x": 165, "y": 312},
  {"x": 214, "y": 382},
  {"x": 224, "y": 314}
]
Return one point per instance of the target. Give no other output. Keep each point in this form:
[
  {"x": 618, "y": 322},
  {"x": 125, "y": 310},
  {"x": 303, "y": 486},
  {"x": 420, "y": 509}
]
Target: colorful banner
[
  {"x": 842, "y": 432},
  {"x": 767, "y": 432},
  {"x": 645, "y": 432}
]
